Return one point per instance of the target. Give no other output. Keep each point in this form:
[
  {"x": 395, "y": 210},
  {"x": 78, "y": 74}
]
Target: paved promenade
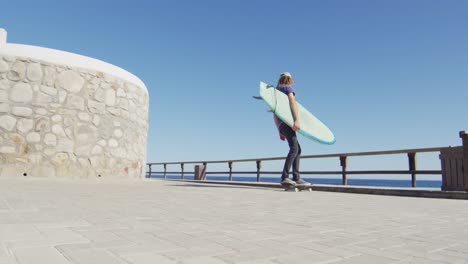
[{"x": 154, "y": 221}]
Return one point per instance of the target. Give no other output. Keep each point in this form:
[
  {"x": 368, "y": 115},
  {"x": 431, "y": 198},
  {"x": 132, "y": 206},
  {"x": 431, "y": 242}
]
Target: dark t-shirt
[{"x": 286, "y": 89}]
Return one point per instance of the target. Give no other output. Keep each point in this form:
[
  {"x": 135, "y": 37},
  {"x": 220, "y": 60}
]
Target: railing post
[
  {"x": 165, "y": 168},
  {"x": 204, "y": 171},
  {"x": 412, "y": 167},
  {"x": 230, "y": 170},
  {"x": 464, "y": 137},
  {"x": 343, "y": 163},
  {"x": 259, "y": 166},
  {"x": 182, "y": 170},
  {"x": 149, "y": 173}
]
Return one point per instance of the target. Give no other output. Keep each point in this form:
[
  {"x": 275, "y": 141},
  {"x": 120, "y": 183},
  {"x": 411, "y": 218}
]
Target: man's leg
[
  {"x": 295, "y": 165},
  {"x": 293, "y": 149}
]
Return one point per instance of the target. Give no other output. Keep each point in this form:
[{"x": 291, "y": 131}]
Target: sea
[{"x": 329, "y": 181}]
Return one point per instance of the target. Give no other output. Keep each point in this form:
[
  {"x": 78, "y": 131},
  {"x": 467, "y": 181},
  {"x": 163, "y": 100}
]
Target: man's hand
[
  {"x": 282, "y": 137},
  {"x": 296, "y": 126}
]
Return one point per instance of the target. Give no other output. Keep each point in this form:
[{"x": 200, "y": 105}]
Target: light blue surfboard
[{"x": 310, "y": 126}]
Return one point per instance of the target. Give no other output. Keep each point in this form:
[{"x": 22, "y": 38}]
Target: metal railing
[{"x": 343, "y": 158}]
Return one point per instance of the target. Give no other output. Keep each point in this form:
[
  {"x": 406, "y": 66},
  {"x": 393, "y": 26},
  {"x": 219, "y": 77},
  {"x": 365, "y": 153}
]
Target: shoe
[
  {"x": 302, "y": 182},
  {"x": 288, "y": 182}
]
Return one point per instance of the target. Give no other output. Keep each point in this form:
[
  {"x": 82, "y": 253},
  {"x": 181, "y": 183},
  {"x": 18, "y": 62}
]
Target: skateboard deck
[{"x": 297, "y": 187}]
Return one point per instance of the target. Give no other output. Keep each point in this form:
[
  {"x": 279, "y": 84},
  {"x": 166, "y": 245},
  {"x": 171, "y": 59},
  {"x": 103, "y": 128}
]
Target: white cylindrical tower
[{"x": 67, "y": 115}]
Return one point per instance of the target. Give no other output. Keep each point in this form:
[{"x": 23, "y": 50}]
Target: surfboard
[{"x": 310, "y": 126}]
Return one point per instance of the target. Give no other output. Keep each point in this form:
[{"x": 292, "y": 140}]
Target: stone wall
[{"x": 60, "y": 121}]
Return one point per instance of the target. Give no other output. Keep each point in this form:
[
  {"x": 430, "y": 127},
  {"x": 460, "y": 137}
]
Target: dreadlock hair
[{"x": 285, "y": 79}]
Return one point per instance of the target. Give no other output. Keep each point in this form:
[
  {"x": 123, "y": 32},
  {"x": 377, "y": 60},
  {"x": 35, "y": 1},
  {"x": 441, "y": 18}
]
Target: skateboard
[{"x": 297, "y": 187}]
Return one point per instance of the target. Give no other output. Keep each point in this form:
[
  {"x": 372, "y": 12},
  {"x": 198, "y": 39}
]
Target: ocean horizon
[{"x": 330, "y": 181}]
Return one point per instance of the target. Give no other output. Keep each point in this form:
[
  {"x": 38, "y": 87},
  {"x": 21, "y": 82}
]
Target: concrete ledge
[{"x": 408, "y": 192}]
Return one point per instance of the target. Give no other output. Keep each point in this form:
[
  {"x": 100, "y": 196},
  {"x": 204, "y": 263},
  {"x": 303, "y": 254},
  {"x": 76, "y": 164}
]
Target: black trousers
[{"x": 294, "y": 154}]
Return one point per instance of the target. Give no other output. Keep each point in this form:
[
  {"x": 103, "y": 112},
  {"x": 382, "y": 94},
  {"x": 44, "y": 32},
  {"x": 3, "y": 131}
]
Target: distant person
[{"x": 284, "y": 85}]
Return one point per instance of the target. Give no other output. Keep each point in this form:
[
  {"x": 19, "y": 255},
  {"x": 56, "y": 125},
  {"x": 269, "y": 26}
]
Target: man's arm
[
  {"x": 293, "y": 105},
  {"x": 277, "y": 122}
]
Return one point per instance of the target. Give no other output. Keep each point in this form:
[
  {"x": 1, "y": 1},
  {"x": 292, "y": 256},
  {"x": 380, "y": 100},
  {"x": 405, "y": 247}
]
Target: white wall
[{"x": 66, "y": 115}]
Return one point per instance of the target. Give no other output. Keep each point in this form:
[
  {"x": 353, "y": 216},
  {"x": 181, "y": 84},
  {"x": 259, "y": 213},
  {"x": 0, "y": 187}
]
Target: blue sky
[{"x": 381, "y": 74}]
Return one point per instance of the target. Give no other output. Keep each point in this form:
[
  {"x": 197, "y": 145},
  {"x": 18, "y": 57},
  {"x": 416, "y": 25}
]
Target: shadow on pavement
[{"x": 217, "y": 186}]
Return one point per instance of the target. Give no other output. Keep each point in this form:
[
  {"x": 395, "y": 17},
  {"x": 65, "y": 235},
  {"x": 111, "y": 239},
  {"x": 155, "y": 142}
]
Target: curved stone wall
[{"x": 61, "y": 121}]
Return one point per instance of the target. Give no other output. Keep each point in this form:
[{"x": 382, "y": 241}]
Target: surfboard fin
[{"x": 257, "y": 97}]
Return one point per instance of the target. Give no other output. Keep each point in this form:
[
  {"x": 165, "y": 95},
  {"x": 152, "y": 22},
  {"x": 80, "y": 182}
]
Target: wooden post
[
  {"x": 165, "y": 167},
  {"x": 259, "y": 166},
  {"x": 182, "y": 170},
  {"x": 230, "y": 170},
  {"x": 412, "y": 167},
  {"x": 343, "y": 163},
  {"x": 464, "y": 137},
  {"x": 204, "y": 171},
  {"x": 149, "y": 173}
]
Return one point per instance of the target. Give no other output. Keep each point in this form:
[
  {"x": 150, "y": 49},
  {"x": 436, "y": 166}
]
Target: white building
[{"x": 67, "y": 115}]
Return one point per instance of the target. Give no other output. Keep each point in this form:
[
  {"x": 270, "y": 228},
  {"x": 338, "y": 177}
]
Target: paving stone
[
  {"x": 3, "y": 253},
  {"x": 35, "y": 255},
  {"x": 92, "y": 256},
  {"x": 310, "y": 257},
  {"x": 252, "y": 255},
  {"x": 202, "y": 260},
  {"x": 334, "y": 251},
  {"x": 9, "y": 232},
  {"x": 99, "y": 236},
  {"x": 162, "y": 246},
  {"x": 153, "y": 221},
  {"x": 234, "y": 244},
  {"x": 385, "y": 243},
  {"x": 107, "y": 245},
  {"x": 364, "y": 259},
  {"x": 392, "y": 253},
  {"x": 7, "y": 261},
  {"x": 149, "y": 258},
  {"x": 62, "y": 236},
  {"x": 448, "y": 256},
  {"x": 206, "y": 250},
  {"x": 420, "y": 260}
]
